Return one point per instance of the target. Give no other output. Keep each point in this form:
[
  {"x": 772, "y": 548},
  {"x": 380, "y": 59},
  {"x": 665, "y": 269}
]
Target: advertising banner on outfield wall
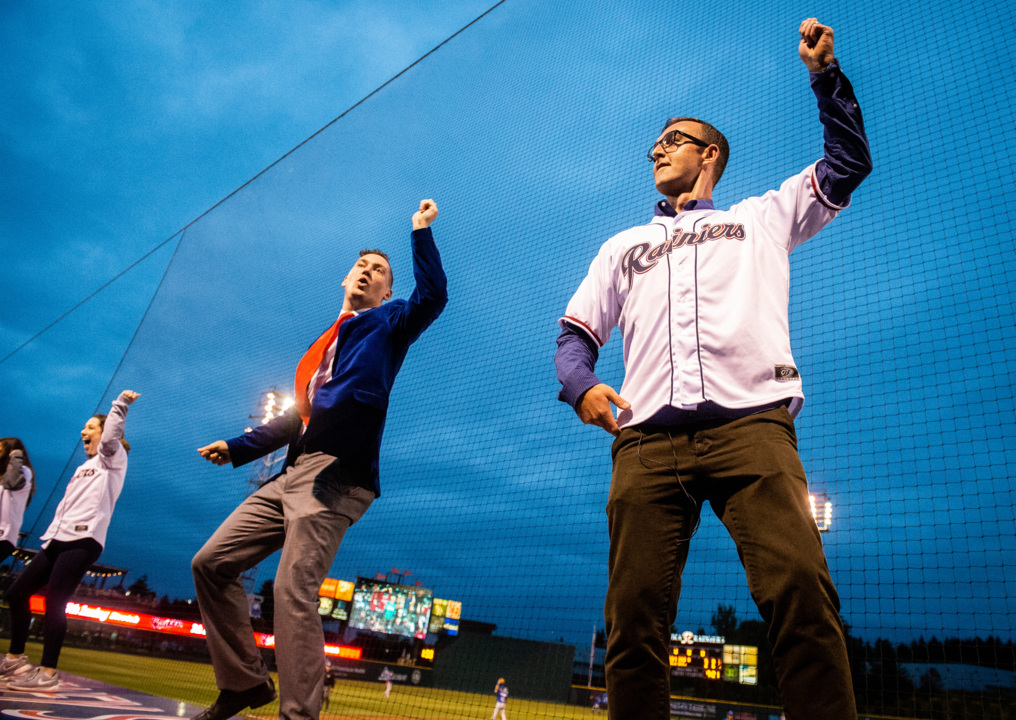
[
  {"x": 372, "y": 672},
  {"x": 692, "y": 709}
]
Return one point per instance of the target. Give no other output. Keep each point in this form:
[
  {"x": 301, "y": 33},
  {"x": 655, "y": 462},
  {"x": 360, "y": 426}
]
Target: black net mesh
[{"x": 529, "y": 130}]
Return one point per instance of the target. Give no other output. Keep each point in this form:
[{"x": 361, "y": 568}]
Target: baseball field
[{"x": 194, "y": 683}]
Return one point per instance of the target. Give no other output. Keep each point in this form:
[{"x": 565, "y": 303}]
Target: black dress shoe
[{"x": 230, "y": 702}]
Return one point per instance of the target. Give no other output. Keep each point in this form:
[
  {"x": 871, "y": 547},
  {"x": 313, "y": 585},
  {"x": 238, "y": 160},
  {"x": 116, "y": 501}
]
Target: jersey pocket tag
[
  {"x": 787, "y": 373},
  {"x": 80, "y": 528}
]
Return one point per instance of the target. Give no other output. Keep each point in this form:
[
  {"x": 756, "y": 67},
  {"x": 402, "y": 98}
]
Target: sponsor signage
[{"x": 167, "y": 626}]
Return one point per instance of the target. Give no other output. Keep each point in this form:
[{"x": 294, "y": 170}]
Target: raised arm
[
  {"x": 112, "y": 429},
  {"x": 847, "y": 160},
  {"x": 14, "y": 477},
  {"x": 431, "y": 292}
]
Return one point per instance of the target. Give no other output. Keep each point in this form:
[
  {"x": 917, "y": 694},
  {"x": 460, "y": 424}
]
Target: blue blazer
[{"x": 348, "y": 414}]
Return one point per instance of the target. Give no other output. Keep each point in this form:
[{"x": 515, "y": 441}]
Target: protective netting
[{"x": 529, "y": 130}]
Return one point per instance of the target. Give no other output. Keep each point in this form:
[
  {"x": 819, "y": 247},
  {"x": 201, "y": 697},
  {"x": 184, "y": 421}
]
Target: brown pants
[
  {"x": 305, "y": 512},
  {"x": 749, "y": 471}
]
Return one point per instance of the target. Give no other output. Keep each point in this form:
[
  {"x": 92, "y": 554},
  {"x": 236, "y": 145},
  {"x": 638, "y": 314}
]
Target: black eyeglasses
[{"x": 670, "y": 140}]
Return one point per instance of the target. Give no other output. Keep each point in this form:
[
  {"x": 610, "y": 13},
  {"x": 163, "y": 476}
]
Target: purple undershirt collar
[{"x": 663, "y": 207}]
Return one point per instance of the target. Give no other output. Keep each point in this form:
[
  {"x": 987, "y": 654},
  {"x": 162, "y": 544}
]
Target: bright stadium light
[
  {"x": 822, "y": 511},
  {"x": 272, "y": 404}
]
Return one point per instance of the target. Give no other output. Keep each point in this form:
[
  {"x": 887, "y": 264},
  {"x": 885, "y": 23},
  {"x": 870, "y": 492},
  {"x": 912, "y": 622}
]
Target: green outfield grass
[{"x": 194, "y": 683}]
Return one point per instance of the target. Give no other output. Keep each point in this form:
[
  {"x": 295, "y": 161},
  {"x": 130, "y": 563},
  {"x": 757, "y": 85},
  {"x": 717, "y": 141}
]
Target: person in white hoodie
[
  {"x": 71, "y": 544},
  {"x": 17, "y": 486}
]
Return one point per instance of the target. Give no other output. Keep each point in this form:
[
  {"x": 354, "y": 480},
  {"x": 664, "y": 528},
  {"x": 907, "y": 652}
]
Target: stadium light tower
[
  {"x": 271, "y": 404},
  {"x": 822, "y": 511}
]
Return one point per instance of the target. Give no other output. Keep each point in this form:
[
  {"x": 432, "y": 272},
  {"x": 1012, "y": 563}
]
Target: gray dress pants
[{"x": 305, "y": 512}]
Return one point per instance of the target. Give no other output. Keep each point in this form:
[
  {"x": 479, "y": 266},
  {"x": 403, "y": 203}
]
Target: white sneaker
[
  {"x": 37, "y": 679},
  {"x": 9, "y": 668}
]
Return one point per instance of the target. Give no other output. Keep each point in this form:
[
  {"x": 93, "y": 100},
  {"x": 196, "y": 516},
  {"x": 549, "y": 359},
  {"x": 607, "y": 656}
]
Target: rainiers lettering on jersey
[
  {"x": 642, "y": 258},
  {"x": 701, "y": 301}
]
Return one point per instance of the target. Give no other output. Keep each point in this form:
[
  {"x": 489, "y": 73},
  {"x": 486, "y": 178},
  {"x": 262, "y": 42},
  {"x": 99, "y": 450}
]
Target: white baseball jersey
[
  {"x": 701, "y": 300},
  {"x": 87, "y": 505}
]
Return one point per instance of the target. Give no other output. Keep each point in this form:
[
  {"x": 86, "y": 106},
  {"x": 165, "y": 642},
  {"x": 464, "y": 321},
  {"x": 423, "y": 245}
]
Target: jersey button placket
[{"x": 682, "y": 324}]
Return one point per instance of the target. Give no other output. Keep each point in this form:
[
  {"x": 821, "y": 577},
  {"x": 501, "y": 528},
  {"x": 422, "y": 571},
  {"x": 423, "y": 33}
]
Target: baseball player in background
[
  {"x": 708, "y": 400},
  {"x": 500, "y": 699}
]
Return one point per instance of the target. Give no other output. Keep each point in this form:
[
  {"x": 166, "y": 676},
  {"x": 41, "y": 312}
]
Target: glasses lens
[
  {"x": 664, "y": 142},
  {"x": 674, "y": 137}
]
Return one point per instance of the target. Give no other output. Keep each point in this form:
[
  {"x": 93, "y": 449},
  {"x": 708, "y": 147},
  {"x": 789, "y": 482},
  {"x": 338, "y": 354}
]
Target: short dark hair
[
  {"x": 382, "y": 253},
  {"x": 711, "y": 136}
]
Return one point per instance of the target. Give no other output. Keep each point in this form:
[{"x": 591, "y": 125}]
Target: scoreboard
[
  {"x": 708, "y": 657},
  {"x": 697, "y": 660}
]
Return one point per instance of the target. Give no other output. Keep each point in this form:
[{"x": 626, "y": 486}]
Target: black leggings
[
  {"x": 6, "y": 549},
  {"x": 59, "y": 567}
]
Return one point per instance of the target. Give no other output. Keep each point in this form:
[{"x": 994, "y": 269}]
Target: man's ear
[
  {"x": 344, "y": 281},
  {"x": 706, "y": 179},
  {"x": 388, "y": 295}
]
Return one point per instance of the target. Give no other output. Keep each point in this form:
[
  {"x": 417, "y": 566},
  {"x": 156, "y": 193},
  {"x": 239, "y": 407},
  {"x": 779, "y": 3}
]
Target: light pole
[
  {"x": 822, "y": 511},
  {"x": 271, "y": 404}
]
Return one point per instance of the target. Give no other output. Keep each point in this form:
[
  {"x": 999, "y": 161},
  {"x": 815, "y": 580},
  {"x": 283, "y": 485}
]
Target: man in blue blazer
[{"x": 330, "y": 479}]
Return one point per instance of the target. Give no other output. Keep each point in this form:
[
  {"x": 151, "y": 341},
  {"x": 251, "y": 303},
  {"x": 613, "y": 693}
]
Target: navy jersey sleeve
[
  {"x": 847, "y": 160},
  {"x": 575, "y": 360}
]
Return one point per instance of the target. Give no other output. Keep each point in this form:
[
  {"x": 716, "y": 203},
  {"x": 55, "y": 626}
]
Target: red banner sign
[{"x": 168, "y": 626}]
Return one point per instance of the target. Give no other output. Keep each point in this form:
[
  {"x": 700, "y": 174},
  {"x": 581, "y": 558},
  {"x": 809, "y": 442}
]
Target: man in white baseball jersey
[{"x": 707, "y": 405}]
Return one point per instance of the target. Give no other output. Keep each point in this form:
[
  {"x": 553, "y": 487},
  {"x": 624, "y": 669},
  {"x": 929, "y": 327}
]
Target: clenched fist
[
  {"x": 816, "y": 46},
  {"x": 425, "y": 215}
]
